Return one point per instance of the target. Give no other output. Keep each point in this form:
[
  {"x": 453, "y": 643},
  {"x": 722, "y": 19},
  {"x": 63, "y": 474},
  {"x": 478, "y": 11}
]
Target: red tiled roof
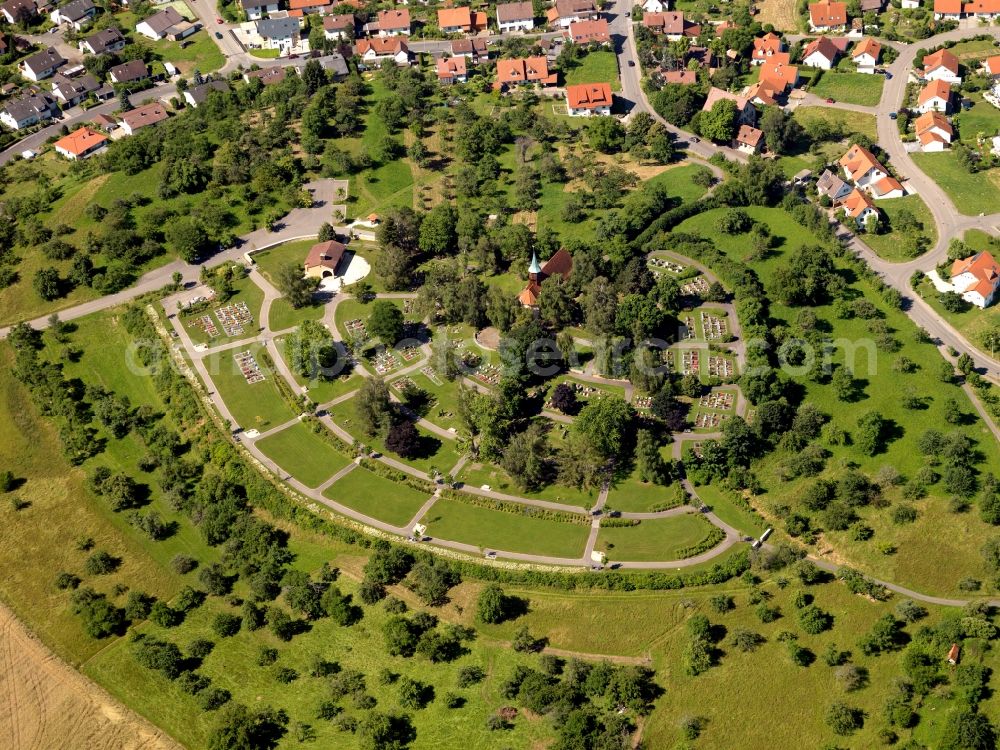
[
  {"x": 983, "y": 268},
  {"x": 749, "y": 136},
  {"x": 859, "y": 161},
  {"x": 828, "y": 14},
  {"x": 585, "y": 32},
  {"x": 776, "y": 72},
  {"x": 856, "y": 203},
  {"x": 934, "y": 89},
  {"x": 451, "y": 67},
  {"x": 941, "y": 58},
  {"x": 525, "y": 70},
  {"x": 765, "y": 46},
  {"x": 394, "y": 20},
  {"x": 449, "y": 17},
  {"x": 868, "y": 45},
  {"x": 992, "y": 65},
  {"x": 588, "y": 96},
  {"x": 325, "y": 254},
  {"x": 948, "y": 7},
  {"x": 80, "y": 141}
]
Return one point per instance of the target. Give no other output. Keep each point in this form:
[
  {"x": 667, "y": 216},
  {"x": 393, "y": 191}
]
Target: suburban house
[
  {"x": 859, "y": 207},
  {"x": 560, "y": 263},
  {"x": 159, "y": 25},
  {"x": 103, "y": 42},
  {"x": 984, "y": 9},
  {"x": 866, "y": 54},
  {"x": 254, "y": 10},
  {"x": 266, "y": 76},
  {"x": 830, "y": 185},
  {"x": 461, "y": 20},
  {"x": 747, "y": 113},
  {"x": 861, "y": 167},
  {"x": 72, "y": 91},
  {"x": 589, "y": 32},
  {"x": 474, "y": 50},
  {"x": 339, "y": 27},
  {"x": 393, "y": 22},
  {"x": 142, "y": 117},
  {"x": 133, "y": 70},
  {"x": 947, "y": 10},
  {"x": 28, "y": 110},
  {"x": 282, "y": 34},
  {"x": 936, "y": 96},
  {"x": 671, "y": 24},
  {"x": 76, "y": 14},
  {"x": 887, "y": 187},
  {"x": 933, "y": 131},
  {"x": 523, "y": 70},
  {"x": 335, "y": 65},
  {"x": 749, "y": 140},
  {"x": 655, "y": 6},
  {"x": 976, "y": 278},
  {"x": 105, "y": 123},
  {"x": 586, "y": 99},
  {"x": 941, "y": 66},
  {"x": 776, "y": 77},
  {"x": 682, "y": 77},
  {"x": 992, "y": 65},
  {"x": 827, "y": 16},
  {"x": 820, "y": 53},
  {"x": 565, "y": 12},
  {"x": 298, "y": 8},
  {"x": 374, "y": 51},
  {"x": 16, "y": 11},
  {"x": 452, "y": 70},
  {"x": 764, "y": 47},
  {"x": 515, "y": 17},
  {"x": 196, "y": 95},
  {"x": 323, "y": 259},
  {"x": 80, "y": 144},
  {"x": 41, "y": 65},
  {"x": 872, "y": 6}
]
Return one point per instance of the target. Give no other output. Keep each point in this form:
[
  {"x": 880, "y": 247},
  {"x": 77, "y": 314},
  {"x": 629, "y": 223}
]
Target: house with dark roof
[
  {"x": 72, "y": 91},
  {"x": 41, "y": 65},
  {"x": 671, "y": 24},
  {"x": 323, "y": 259},
  {"x": 103, "y": 42},
  {"x": 339, "y": 27},
  {"x": 515, "y": 17},
  {"x": 16, "y": 11},
  {"x": 474, "y": 50},
  {"x": 565, "y": 12},
  {"x": 28, "y": 110},
  {"x": 254, "y": 10},
  {"x": 160, "y": 24},
  {"x": 130, "y": 72},
  {"x": 196, "y": 95},
  {"x": 282, "y": 34},
  {"x": 143, "y": 117},
  {"x": 832, "y": 186},
  {"x": 266, "y": 76},
  {"x": 76, "y": 14}
]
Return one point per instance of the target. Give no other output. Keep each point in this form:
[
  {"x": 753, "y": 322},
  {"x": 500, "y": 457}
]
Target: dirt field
[
  {"x": 45, "y": 703},
  {"x": 780, "y": 13}
]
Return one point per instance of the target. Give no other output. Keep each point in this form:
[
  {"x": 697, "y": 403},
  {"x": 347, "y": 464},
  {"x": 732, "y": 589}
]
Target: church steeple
[{"x": 534, "y": 269}]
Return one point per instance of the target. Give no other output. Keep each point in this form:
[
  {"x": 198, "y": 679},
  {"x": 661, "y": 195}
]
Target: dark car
[
  {"x": 888, "y": 75},
  {"x": 893, "y": 115},
  {"x": 218, "y": 35},
  {"x": 631, "y": 63}
]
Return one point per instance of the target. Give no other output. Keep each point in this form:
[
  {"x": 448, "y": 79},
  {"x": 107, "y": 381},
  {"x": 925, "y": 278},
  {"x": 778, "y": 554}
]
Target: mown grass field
[
  {"x": 972, "y": 194},
  {"x": 269, "y": 261},
  {"x": 888, "y": 245},
  {"x": 257, "y": 406},
  {"x": 304, "y": 454},
  {"x": 658, "y": 539},
  {"x": 852, "y": 122},
  {"x": 595, "y": 67},
  {"x": 377, "y": 496},
  {"x": 853, "y": 88}
]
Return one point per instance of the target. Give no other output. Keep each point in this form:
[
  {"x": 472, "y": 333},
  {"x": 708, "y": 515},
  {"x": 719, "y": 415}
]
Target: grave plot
[
  {"x": 642, "y": 402},
  {"x": 407, "y": 306},
  {"x": 402, "y": 385},
  {"x": 720, "y": 367},
  {"x": 431, "y": 375},
  {"x": 686, "y": 330},
  {"x": 234, "y": 318},
  {"x": 356, "y": 328},
  {"x": 206, "y": 324},
  {"x": 715, "y": 328},
  {"x": 709, "y": 420},
  {"x": 409, "y": 353},
  {"x": 667, "y": 357},
  {"x": 696, "y": 449},
  {"x": 384, "y": 362},
  {"x": 696, "y": 287},
  {"x": 690, "y": 362},
  {"x": 489, "y": 374},
  {"x": 723, "y": 400},
  {"x": 249, "y": 367},
  {"x": 666, "y": 265}
]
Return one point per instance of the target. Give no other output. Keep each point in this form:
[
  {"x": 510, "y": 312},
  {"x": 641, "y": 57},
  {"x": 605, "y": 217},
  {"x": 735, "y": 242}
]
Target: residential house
[
  {"x": 887, "y": 187},
  {"x": 515, "y": 17},
  {"x": 266, "y": 76},
  {"x": 41, "y": 65},
  {"x": 991, "y": 65},
  {"x": 861, "y": 166},
  {"x": 830, "y": 185},
  {"x": 461, "y": 20},
  {"x": 986, "y": 10},
  {"x": 820, "y": 53},
  {"x": 941, "y": 66},
  {"x": 976, "y": 278},
  {"x": 589, "y": 32},
  {"x": 75, "y": 14},
  {"x": 299, "y": 8},
  {"x": 746, "y": 112},
  {"x": 105, "y": 123},
  {"x": 474, "y": 50},
  {"x": 72, "y": 91},
  {"x": 282, "y": 34},
  {"x": 827, "y": 16},
  {"x": 587, "y": 99},
  {"x": 339, "y": 27},
  {"x": 565, "y": 12},
  {"x": 130, "y": 72},
  {"x": 859, "y": 207},
  {"x": 373, "y": 51},
  {"x": 764, "y": 47},
  {"x": 17, "y": 11},
  {"x": 452, "y": 70},
  {"x": 866, "y": 54},
  {"x": 777, "y": 74},
  {"x": 196, "y": 95},
  {"x": 160, "y": 24},
  {"x": 933, "y": 131},
  {"x": 103, "y": 42},
  {"x": 28, "y": 110},
  {"x": 561, "y": 264},
  {"x": 80, "y": 144},
  {"x": 524, "y": 70},
  {"x": 947, "y": 10},
  {"x": 749, "y": 140},
  {"x": 254, "y": 10},
  {"x": 394, "y": 22},
  {"x": 143, "y": 117},
  {"x": 323, "y": 259},
  {"x": 682, "y": 77},
  {"x": 335, "y": 66},
  {"x": 872, "y": 6},
  {"x": 935, "y": 96},
  {"x": 655, "y": 6},
  {"x": 671, "y": 24}
]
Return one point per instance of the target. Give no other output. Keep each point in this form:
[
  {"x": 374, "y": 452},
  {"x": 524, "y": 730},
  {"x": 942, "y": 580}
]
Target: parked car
[
  {"x": 219, "y": 20},
  {"x": 218, "y": 35},
  {"x": 893, "y": 115},
  {"x": 888, "y": 76},
  {"x": 831, "y": 100},
  {"x": 631, "y": 63}
]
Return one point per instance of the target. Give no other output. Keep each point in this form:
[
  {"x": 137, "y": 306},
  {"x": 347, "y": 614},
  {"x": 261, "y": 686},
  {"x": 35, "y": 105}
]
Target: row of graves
[
  {"x": 714, "y": 408},
  {"x": 247, "y": 363},
  {"x": 233, "y": 319},
  {"x": 689, "y": 362},
  {"x": 713, "y": 327}
]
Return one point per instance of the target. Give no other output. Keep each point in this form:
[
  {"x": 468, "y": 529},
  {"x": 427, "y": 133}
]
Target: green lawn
[
  {"x": 283, "y": 316},
  {"x": 983, "y": 118},
  {"x": 659, "y": 539},
  {"x": 971, "y": 193},
  {"x": 972, "y": 323},
  {"x": 269, "y": 261},
  {"x": 509, "y": 532},
  {"x": 888, "y": 245},
  {"x": 321, "y": 390},
  {"x": 853, "y": 88},
  {"x": 257, "y": 406},
  {"x": 633, "y": 495},
  {"x": 264, "y": 54},
  {"x": 377, "y": 497},
  {"x": 678, "y": 181},
  {"x": 477, "y": 475},
  {"x": 729, "y": 511},
  {"x": 304, "y": 454},
  {"x": 851, "y": 122},
  {"x": 595, "y": 67}
]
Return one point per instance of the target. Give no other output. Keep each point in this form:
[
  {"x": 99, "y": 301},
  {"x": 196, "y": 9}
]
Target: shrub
[{"x": 225, "y": 624}]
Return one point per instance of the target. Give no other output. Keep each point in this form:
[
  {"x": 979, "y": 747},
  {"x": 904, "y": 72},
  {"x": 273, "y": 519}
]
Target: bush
[
  {"x": 183, "y": 564},
  {"x": 468, "y": 676},
  {"x": 225, "y": 624},
  {"x": 843, "y": 719},
  {"x": 101, "y": 563},
  {"x": 66, "y": 581}
]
